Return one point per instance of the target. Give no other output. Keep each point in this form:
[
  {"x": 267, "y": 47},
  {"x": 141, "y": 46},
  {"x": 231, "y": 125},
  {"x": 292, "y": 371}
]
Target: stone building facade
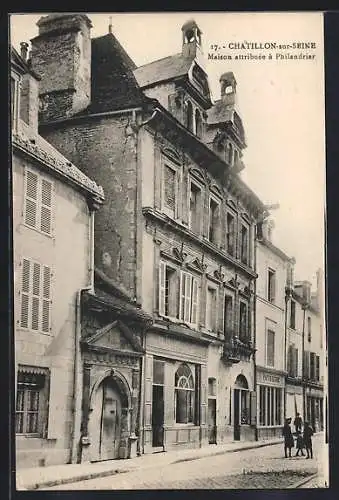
[
  {"x": 274, "y": 270},
  {"x": 53, "y": 216},
  {"x": 177, "y": 230}
]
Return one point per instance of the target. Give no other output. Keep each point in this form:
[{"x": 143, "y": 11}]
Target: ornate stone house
[{"x": 176, "y": 234}]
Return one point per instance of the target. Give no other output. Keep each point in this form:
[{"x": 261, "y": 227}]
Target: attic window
[{"x": 229, "y": 89}]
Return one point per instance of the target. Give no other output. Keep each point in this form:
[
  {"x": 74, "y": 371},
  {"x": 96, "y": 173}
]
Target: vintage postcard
[{"x": 168, "y": 175}]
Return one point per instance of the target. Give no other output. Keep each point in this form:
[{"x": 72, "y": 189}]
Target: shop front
[
  {"x": 294, "y": 400},
  {"x": 270, "y": 398},
  {"x": 314, "y": 408},
  {"x": 175, "y": 392}
]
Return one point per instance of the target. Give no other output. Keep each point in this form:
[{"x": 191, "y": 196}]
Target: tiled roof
[
  {"x": 220, "y": 113},
  {"x": 163, "y": 69},
  {"x": 33, "y": 144}
]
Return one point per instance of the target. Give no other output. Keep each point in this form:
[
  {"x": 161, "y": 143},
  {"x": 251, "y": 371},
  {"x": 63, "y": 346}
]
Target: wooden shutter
[
  {"x": 31, "y": 199},
  {"x": 46, "y": 299},
  {"x": 46, "y": 206},
  {"x": 195, "y": 300},
  {"x": 203, "y": 395},
  {"x": 162, "y": 288},
  {"x": 188, "y": 297},
  {"x": 36, "y": 291},
  {"x": 25, "y": 291},
  {"x": 253, "y": 396},
  {"x": 148, "y": 389}
]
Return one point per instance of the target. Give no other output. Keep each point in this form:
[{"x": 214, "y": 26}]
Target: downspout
[
  {"x": 255, "y": 339},
  {"x": 302, "y": 362},
  {"x": 77, "y": 368},
  {"x": 285, "y": 350}
]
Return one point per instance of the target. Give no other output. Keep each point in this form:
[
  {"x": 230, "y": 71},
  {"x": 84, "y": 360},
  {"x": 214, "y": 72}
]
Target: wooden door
[
  {"x": 110, "y": 423},
  {"x": 158, "y": 416},
  {"x": 236, "y": 415},
  {"x": 212, "y": 429}
]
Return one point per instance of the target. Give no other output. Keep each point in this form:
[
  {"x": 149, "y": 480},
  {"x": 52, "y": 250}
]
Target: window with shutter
[
  {"x": 35, "y": 296},
  {"x": 271, "y": 286},
  {"x": 38, "y": 202},
  {"x": 189, "y": 298},
  {"x": 195, "y": 301}
]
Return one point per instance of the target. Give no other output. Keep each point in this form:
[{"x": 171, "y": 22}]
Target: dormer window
[
  {"x": 198, "y": 123},
  {"x": 189, "y": 116},
  {"x": 229, "y": 89}
]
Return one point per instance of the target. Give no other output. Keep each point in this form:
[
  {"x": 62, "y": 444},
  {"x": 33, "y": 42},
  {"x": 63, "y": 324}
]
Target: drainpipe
[
  {"x": 255, "y": 339},
  {"x": 141, "y": 416},
  {"x": 285, "y": 349},
  {"x": 77, "y": 368},
  {"x": 302, "y": 362}
]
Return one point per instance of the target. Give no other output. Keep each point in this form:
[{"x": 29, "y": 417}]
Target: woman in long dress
[{"x": 288, "y": 437}]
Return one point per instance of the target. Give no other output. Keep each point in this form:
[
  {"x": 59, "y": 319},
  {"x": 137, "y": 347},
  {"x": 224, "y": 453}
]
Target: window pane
[
  {"x": 181, "y": 406},
  {"x": 158, "y": 371},
  {"x": 170, "y": 187}
]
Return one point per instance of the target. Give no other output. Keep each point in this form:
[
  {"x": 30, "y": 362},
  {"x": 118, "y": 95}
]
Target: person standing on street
[
  {"x": 288, "y": 437},
  {"x": 297, "y": 423},
  {"x": 299, "y": 444},
  {"x": 308, "y": 433}
]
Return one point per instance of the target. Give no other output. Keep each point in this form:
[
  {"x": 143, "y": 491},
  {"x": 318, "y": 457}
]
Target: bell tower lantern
[{"x": 191, "y": 39}]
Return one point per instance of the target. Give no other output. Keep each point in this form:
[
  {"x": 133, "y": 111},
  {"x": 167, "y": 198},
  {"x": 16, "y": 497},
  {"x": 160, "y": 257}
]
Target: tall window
[
  {"x": 312, "y": 365},
  {"x": 35, "y": 296},
  {"x": 271, "y": 286},
  {"x": 230, "y": 234},
  {"x": 292, "y": 314},
  {"x": 168, "y": 291},
  {"x": 38, "y": 202},
  {"x": 270, "y": 348},
  {"x": 230, "y": 154},
  {"x": 243, "y": 322},
  {"x": 270, "y": 406},
  {"x": 194, "y": 208},
  {"x": 31, "y": 401},
  {"x": 211, "y": 309},
  {"x": 309, "y": 329},
  {"x": 213, "y": 221},
  {"x": 189, "y": 297},
  {"x": 317, "y": 368},
  {"x": 189, "y": 116},
  {"x": 244, "y": 245},
  {"x": 292, "y": 361},
  {"x": 228, "y": 317},
  {"x": 198, "y": 124},
  {"x": 170, "y": 190},
  {"x": 184, "y": 395}
]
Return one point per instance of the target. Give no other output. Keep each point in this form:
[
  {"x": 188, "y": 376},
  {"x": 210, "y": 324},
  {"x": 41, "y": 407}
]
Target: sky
[{"x": 281, "y": 104}]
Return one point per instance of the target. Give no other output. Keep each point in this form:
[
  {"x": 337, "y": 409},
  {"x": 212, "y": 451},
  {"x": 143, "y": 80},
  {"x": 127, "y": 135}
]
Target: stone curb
[
  {"x": 303, "y": 481},
  {"x": 111, "y": 472}
]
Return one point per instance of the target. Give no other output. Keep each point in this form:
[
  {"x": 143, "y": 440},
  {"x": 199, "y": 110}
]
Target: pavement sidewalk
[{"x": 39, "y": 477}]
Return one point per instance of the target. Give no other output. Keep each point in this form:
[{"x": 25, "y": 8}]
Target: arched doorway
[
  {"x": 108, "y": 420},
  {"x": 240, "y": 405}
]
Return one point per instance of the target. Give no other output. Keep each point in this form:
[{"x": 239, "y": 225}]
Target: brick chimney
[
  {"x": 61, "y": 54},
  {"x": 191, "y": 39}
]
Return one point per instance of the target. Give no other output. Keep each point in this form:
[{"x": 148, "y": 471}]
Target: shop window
[
  {"x": 184, "y": 395},
  {"x": 31, "y": 401},
  {"x": 270, "y": 406}
]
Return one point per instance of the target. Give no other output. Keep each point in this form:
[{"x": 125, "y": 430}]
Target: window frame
[
  {"x": 248, "y": 337},
  {"x": 245, "y": 226},
  {"x": 271, "y": 285},
  {"x": 42, "y": 298},
  {"x": 190, "y": 401},
  {"x": 234, "y": 217},
  {"x": 162, "y": 289},
  {"x": 185, "y": 298},
  {"x": 268, "y": 363},
  {"x": 200, "y": 187},
  {"x": 213, "y": 328},
  {"x": 214, "y": 199},
  {"x": 39, "y": 205},
  {"x": 172, "y": 213},
  {"x": 230, "y": 326}
]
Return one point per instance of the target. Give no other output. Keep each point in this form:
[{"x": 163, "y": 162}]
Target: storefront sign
[{"x": 270, "y": 379}]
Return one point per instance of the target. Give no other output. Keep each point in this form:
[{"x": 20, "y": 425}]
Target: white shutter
[
  {"x": 46, "y": 206},
  {"x": 31, "y": 199},
  {"x": 182, "y": 296},
  {"x": 195, "y": 300},
  {"x": 162, "y": 288},
  {"x": 188, "y": 295},
  {"x": 46, "y": 299},
  {"x": 25, "y": 290},
  {"x": 36, "y": 290}
]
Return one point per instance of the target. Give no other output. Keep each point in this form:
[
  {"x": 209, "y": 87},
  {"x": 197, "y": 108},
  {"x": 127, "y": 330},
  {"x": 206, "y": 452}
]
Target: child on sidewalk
[
  {"x": 308, "y": 433},
  {"x": 299, "y": 444}
]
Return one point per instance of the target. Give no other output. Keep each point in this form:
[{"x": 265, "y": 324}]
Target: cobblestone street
[{"x": 256, "y": 468}]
